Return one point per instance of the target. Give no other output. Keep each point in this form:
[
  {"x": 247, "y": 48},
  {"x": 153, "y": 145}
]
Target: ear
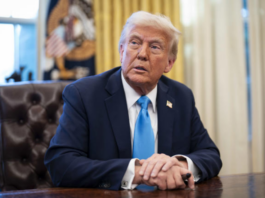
[
  {"x": 169, "y": 66},
  {"x": 121, "y": 52}
]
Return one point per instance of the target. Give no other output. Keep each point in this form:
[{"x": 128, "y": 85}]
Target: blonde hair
[{"x": 142, "y": 18}]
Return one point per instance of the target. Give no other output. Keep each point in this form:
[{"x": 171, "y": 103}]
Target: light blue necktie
[{"x": 144, "y": 141}]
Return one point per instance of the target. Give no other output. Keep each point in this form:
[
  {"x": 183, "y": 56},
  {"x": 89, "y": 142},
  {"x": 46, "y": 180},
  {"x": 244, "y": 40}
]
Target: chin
[{"x": 136, "y": 80}]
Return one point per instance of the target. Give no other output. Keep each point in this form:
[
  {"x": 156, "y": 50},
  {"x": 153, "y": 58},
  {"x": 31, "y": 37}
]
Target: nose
[{"x": 142, "y": 53}]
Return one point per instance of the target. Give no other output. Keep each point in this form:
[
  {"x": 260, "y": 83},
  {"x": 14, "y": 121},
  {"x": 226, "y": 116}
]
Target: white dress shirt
[{"x": 133, "y": 110}]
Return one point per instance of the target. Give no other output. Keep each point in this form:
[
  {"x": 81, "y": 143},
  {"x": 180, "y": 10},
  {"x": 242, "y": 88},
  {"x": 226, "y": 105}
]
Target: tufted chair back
[{"x": 29, "y": 116}]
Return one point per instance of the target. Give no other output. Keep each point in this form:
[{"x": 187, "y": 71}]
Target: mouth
[{"x": 140, "y": 68}]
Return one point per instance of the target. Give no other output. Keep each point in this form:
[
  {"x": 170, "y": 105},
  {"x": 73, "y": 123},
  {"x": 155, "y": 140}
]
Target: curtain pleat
[
  {"x": 107, "y": 37},
  {"x": 99, "y": 35},
  {"x": 135, "y": 5},
  {"x": 110, "y": 17},
  {"x": 257, "y": 63},
  {"x": 177, "y": 71},
  {"x": 145, "y": 5},
  {"x": 126, "y": 9},
  {"x": 117, "y": 28},
  {"x": 156, "y": 6}
]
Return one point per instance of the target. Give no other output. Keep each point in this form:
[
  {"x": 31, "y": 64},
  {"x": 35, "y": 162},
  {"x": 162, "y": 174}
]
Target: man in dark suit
[{"x": 97, "y": 141}]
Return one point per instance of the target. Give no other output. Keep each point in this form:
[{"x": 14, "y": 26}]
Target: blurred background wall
[{"x": 221, "y": 58}]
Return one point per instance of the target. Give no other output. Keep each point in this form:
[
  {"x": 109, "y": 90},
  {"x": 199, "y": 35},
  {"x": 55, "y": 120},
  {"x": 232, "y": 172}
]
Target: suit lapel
[
  {"x": 118, "y": 114},
  {"x": 165, "y": 119}
]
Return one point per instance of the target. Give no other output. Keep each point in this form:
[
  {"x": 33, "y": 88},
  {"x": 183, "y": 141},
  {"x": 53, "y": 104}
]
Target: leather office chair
[{"x": 29, "y": 116}]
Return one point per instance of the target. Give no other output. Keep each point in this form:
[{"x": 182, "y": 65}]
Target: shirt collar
[{"x": 132, "y": 96}]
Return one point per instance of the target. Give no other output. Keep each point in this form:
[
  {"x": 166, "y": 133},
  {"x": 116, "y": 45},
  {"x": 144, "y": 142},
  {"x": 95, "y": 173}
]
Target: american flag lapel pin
[{"x": 169, "y": 104}]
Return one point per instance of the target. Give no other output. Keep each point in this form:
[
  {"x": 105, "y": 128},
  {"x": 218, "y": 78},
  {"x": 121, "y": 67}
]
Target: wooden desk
[{"x": 249, "y": 185}]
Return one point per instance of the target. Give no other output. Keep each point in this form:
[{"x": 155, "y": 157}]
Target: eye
[
  {"x": 134, "y": 42},
  {"x": 156, "y": 47}
]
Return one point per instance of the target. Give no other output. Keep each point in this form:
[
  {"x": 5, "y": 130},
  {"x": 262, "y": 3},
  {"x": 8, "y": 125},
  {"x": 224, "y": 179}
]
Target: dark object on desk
[
  {"x": 29, "y": 115},
  {"x": 16, "y": 76},
  {"x": 241, "y": 186},
  {"x": 30, "y": 76},
  {"x": 185, "y": 178}
]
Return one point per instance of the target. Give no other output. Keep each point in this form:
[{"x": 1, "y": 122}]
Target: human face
[{"x": 145, "y": 57}]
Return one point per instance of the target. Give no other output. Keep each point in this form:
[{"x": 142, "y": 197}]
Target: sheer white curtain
[
  {"x": 43, "y": 10},
  {"x": 257, "y": 61},
  {"x": 215, "y": 70}
]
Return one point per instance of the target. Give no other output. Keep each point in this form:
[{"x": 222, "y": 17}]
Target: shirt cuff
[
  {"x": 126, "y": 182},
  {"x": 192, "y": 167}
]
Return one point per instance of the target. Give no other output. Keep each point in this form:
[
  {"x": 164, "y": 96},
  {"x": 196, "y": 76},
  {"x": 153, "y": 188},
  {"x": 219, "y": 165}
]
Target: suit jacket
[{"x": 92, "y": 146}]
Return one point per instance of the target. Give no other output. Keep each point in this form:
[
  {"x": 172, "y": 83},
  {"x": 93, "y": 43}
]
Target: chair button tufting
[
  {"x": 34, "y": 102},
  {"x": 24, "y": 159},
  {"x": 21, "y": 121}
]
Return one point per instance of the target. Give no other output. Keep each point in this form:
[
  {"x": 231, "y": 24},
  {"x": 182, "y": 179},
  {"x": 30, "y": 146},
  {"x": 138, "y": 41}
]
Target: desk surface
[{"x": 249, "y": 185}]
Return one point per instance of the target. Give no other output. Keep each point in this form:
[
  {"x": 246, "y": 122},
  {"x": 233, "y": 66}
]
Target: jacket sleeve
[
  {"x": 204, "y": 153},
  {"x": 67, "y": 158}
]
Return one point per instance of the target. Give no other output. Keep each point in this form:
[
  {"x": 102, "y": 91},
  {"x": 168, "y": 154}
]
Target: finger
[
  {"x": 169, "y": 164},
  {"x": 171, "y": 183},
  {"x": 157, "y": 168},
  {"x": 142, "y": 170},
  {"x": 180, "y": 183},
  {"x": 191, "y": 182},
  {"x": 142, "y": 161},
  {"x": 145, "y": 164},
  {"x": 151, "y": 181},
  {"x": 161, "y": 183},
  {"x": 149, "y": 169},
  {"x": 178, "y": 179}
]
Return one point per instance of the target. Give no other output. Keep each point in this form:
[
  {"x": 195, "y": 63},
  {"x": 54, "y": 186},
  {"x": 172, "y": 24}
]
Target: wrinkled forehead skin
[{"x": 167, "y": 36}]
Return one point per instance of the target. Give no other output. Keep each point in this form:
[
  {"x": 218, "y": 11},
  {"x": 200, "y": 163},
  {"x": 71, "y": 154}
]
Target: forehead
[{"x": 148, "y": 33}]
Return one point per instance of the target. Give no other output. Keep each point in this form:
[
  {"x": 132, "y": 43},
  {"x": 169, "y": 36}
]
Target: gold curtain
[{"x": 111, "y": 15}]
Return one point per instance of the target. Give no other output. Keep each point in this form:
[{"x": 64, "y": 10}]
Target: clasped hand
[{"x": 163, "y": 171}]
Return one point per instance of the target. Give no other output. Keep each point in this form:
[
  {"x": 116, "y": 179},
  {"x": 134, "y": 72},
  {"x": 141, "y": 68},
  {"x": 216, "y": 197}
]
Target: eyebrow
[
  {"x": 134, "y": 35},
  {"x": 138, "y": 36}
]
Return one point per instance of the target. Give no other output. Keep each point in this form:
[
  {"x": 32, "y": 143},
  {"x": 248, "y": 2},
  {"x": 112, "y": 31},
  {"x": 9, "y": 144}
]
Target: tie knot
[{"x": 143, "y": 101}]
